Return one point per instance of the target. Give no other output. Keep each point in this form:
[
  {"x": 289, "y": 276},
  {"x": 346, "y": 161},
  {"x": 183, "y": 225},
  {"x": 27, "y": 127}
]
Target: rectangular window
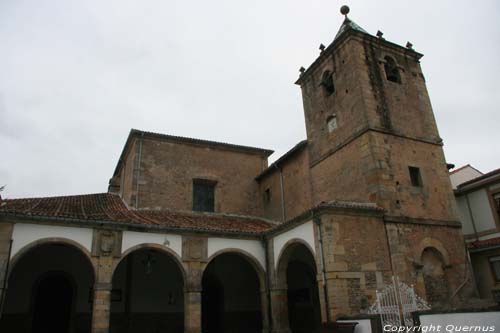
[
  {"x": 495, "y": 267},
  {"x": 416, "y": 179},
  {"x": 267, "y": 196},
  {"x": 203, "y": 195}
]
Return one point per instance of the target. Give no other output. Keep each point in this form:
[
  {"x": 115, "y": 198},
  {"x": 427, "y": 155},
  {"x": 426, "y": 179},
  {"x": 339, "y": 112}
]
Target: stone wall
[
  {"x": 407, "y": 243},
  {"x": 166, "y": 172},
  {"x": 296, "y": 188},
  {"x": 356, "y": 260}
]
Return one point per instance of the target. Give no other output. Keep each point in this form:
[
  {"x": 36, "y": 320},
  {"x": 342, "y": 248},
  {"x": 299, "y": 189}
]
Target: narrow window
[
  {"x": 327, "y": 83},
  {"x": 267, "y": 196},
  {"x": 495, "y": 267},
  {"x": 416, "y": 179},
  {"x": 203, "y": 195},
  {"x": 331, "y": 123},
  {"x": 391, "y": 70}
]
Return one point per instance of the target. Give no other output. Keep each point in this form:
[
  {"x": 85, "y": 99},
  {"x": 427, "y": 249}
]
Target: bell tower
[{"x": 371, "y": 130}]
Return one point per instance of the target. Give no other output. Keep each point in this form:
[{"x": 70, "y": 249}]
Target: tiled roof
[
  {"x": 105, "y": 207},
  {"x": 483, "y": 244}
]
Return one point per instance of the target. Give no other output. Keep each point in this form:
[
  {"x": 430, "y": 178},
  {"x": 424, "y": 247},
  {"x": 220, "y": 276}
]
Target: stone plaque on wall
[
  {"x": 107, "y": 243},
  {"x": 194, "y": 248}
]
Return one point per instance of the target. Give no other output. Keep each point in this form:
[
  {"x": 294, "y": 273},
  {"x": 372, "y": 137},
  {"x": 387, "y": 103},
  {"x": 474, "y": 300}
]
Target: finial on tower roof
[{"x": 344, "y": 10}]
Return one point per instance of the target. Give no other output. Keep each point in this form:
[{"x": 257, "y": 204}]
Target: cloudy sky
[{"x": 76, "y": 76}]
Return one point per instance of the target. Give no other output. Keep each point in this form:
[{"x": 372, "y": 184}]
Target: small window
[
  {"x": 267, "y": 196},
  {"x": 203, "y": 195},
  {"x": 331, "y": 123},
  {"x": 495, "y": 267},
  {"x": 416, "y": 179},
  {"x": 327, "y": 83},
  {"x": 391, "y": 70}
]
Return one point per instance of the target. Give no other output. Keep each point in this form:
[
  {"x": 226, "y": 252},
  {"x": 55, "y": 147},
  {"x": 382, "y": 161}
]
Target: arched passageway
[
  {"x": 49, "y": 291},
  {"x": 297, "y": 270},
  {"x": 435, "y": 280},
  {"x": 231, "y": 298},
  {"x": 147, "y": 294}
]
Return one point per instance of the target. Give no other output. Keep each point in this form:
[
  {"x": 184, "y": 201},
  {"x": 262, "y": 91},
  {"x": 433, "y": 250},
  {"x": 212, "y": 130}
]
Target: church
[{"x": 201, "y": 236}]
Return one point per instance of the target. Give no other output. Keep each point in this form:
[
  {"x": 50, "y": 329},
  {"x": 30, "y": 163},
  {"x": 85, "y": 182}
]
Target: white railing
[{"x": 396, "y": 303}]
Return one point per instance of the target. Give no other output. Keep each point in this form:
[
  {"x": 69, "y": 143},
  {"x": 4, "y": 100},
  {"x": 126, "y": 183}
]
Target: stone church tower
[{"x": 372, "y": 137}]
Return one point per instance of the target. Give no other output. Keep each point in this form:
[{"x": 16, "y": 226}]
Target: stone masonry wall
[
  {"x": 343, "y": 175},
  {"x": 296, "y": 188},
  {"x": 408, "y": 241},
  {"x": 346, "y": 102},
  {"x": 356, "y": 260},
  {"x": 391, "y": 187},
  {"x": 167, "y": 171}
]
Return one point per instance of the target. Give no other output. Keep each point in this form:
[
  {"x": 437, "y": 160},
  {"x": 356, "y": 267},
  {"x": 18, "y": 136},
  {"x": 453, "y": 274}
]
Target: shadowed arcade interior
[
  {"x": 231, "y": 296},
  {"x": 298, "y": 267},
  {"x": 147, "y": 294},
  {"x": 49, "y": 291}
]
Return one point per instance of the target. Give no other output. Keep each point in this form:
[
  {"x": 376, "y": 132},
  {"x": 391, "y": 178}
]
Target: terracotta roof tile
[
  {"x": 482, "y": 244},
  {"x": 110, "y": 208}
]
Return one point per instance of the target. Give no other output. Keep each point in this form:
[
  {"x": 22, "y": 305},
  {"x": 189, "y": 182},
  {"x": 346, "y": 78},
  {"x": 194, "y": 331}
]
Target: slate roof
[
  {"x": 109, "y": 208},
  {"x": 349, "y": 24}
]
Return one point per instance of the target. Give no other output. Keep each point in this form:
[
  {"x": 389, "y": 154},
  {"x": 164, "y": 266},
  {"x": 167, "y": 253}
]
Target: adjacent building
[{"x": 478, "y": 199}]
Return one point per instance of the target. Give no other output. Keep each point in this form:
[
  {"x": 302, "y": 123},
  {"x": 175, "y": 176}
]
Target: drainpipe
[
  {"x": 471, "y": 216},
  {"x": 138, "y": 172},
  {"x": 317, "y": 221},
  {"x": 5, "y": 277},
  {"x": 283, "y": 214}
]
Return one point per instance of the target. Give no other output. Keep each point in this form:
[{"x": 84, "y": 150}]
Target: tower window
[
  {"x": 203, "y": 195},
  {"x": 327, "y": 83},
  {"x": 267, "y": 196},
  {"x": 391, "y": 70},
  {"x": 331, "y": 123},
  {"x": 415, "y": 177}
]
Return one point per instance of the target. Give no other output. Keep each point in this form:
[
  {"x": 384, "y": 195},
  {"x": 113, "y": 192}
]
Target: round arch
[
  {"x": 233, "y": 293},
  {"x": 50, "y": 280},
  {"x": 251, "y": 259},
  {"x": 155, "y": 247},
  {"x": 148, "y": 283},
  {"x": 284, "y": 258},
  {"x": 51, "y": 241},
  {"x": 436, "y": 245},
  {"x": 297, "y": 273}
]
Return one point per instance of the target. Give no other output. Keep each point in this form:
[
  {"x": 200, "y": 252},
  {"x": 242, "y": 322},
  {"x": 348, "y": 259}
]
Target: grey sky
[{"x": 75, "y": 76}]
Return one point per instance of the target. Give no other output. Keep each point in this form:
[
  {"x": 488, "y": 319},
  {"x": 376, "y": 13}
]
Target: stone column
[
  {"x": 106, "y": 251},
  {"x": 101, "y": 308},
  {"x": 194, "y": 257},
  {"x": 279, "y": 309},
  {"x": 264, "y": 302},
  {"x": 192, "y": 311}
]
